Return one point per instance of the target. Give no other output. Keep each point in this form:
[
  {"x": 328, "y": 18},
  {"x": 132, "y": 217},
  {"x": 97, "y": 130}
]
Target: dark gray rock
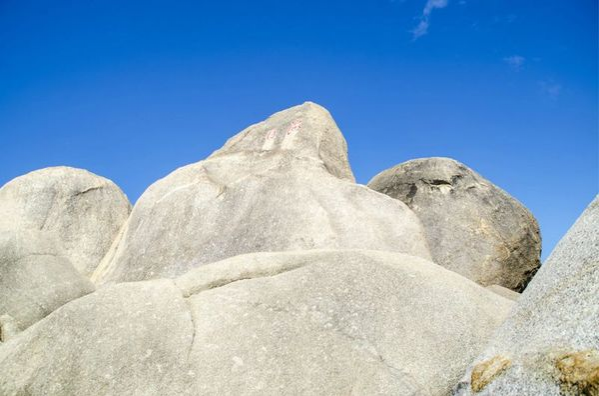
[
  {"x": 551, "y": 338},
  {"x": 473, "y": 227}
]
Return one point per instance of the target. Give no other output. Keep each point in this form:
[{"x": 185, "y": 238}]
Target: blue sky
[{"x": 132, "y": 90}]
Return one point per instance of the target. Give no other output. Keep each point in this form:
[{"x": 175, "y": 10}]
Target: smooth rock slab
[
  {"x": 298, "y": 323},
  {"x": 281, "y": 185},
  {"x": 82, "y": 211},
  {"x": 472, "y": 226},
  {"x": 130, "y": 339},
  {"x": 35, "y": 278},
  {"x": 551, "y": 338},
  {"x": 504, "y": 292}
]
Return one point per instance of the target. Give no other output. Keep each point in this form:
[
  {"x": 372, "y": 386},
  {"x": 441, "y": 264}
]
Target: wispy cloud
[
  {"x": 422, "y": 28},
  {"x": 551, "y": 89},
  {"x": 515, "y": 62}
]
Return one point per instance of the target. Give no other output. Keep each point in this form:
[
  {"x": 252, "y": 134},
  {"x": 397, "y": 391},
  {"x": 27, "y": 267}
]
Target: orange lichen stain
[
  {"x": 483, "y": 373},
  {"x": 579, "y": 373}
]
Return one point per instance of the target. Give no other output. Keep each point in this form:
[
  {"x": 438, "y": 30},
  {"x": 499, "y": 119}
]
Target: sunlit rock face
[
  {"x": 36, "y": 277},
  {"x": 266, "y": 270},
  {"x": 56, "y": 225},
  {"x": 81, "y": 211},
  {"x": 551, "y": 337},
  {"x": 296, "y": 323},
  {"x": 282, "y": 184}
]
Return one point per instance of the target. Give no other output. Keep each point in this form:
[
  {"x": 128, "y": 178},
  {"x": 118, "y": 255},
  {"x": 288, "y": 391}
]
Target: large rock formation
[
  {"x": 35, "y": 278},
  {"x": 283, "y": 184},
  {"x": 473, "y": 227},
  {"x": 295, "y": 323},
  {"x": 83, "y": 212},
  {"x": 549, "y": 345}
]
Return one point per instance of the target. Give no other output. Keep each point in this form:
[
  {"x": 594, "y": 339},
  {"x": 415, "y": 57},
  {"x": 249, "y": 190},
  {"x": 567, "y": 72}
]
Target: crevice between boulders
[{"x": 216, "y": 280}]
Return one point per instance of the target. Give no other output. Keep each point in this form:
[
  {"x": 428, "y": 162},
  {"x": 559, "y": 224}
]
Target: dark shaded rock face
[
  {"x": 551, "y": 337},
  {"x": 472, "y": 226}
]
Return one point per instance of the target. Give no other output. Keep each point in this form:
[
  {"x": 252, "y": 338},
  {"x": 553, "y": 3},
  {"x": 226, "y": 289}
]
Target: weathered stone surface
[
  {"x": 483, "y": 373},
  {"x": 551, "y": 336},
  {"x": 504, "y": 292},
  {"x": 283, "y": 184},
  {"x": 307, "y": 131},
  {"x": 82, "y": 211},
  {"x": 579, "y": 372},
  {"x": 8, "y": 327},
  {"x": 35, "y": 278},
  {"x": 130, "y": 339},
  {"x": 473, "y": 227},
  {"x": 310, "y": 323}
]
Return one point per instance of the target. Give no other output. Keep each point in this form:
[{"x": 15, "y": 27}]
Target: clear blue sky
[{"x": 132, "y": 90}]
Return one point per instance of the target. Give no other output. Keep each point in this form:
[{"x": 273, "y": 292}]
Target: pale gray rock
[
  {"x": 504, "y": 292},
  {"x": 473, "y": 227},
  {"x": 82, "y": 211},
  {"x": 35, "y": 277},
  {"x": 8, "y": 327},
  {"x": 283, "y": 184},
  {"x": 551, "y": 338},
  {"x": 295, "y": 323},
  {"x": 130, "y": 339},
  {"x": 307, "y": 131}
]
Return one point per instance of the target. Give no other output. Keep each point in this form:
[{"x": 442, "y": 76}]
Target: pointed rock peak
[{"x": 307, "y": 130}]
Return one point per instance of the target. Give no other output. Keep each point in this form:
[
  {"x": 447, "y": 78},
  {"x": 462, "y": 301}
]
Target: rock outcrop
[
  {"x": 35, "y": 279},
  {"x": 551, "y": 338},
  {"x": 310, "y": 323},
  {"x": 473, "y": 227},
  {"x": 266, "y": 270},
  {"x": 282, "y": 184},
  {"x": 83, "y": 212}
]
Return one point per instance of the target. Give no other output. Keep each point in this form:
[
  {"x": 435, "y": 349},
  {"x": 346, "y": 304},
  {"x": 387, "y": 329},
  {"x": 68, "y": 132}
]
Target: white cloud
[
  {"x": 551, "y": 89},
  {"x": 432, "y": 4},
  {"x": 422, "y": 28},
  {"x": 515, "y": 62}
]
